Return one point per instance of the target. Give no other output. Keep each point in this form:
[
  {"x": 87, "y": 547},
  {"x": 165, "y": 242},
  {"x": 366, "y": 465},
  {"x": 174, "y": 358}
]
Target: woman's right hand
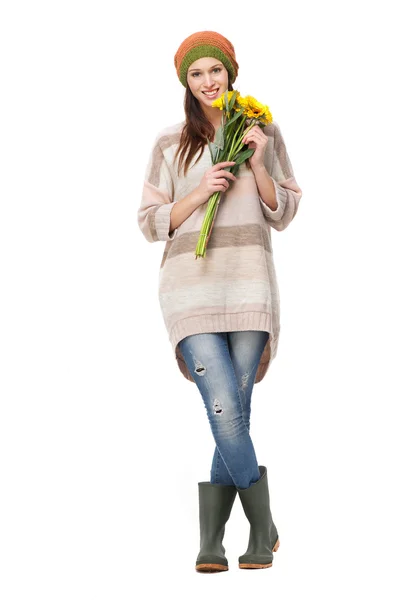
[{"x": 214, "y": 180}]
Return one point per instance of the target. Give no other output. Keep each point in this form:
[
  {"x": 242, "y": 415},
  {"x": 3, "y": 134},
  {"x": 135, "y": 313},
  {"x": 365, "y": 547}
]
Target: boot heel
[
  {"x": 254, "y": 566},
  {"x": 276, "y": 546},
  {"x": 211, "y": 567}
]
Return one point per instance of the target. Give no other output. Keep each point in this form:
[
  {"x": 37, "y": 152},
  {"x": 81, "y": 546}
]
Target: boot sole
[
  {"x": 259, "y": 566},
  {"x": 211, "y": 567}
]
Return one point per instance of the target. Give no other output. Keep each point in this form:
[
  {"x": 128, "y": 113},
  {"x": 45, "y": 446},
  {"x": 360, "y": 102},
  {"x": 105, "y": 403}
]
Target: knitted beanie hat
[{"x": 205, "y": 43}]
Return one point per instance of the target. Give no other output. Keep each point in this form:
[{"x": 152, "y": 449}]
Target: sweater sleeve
[
  {"x": 153, "y": 215},
  {"x": 288, "y": 192}
]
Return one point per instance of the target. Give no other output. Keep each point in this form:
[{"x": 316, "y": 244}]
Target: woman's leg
[
  {"x": 208, "y": 359},
  {"x": 246, "y": 348}
]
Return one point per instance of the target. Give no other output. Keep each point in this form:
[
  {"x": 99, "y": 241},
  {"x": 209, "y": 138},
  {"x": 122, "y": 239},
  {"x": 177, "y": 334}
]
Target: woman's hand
[
  {"x": 255, "y": 138},
  {"x": 214, "y": 180}
]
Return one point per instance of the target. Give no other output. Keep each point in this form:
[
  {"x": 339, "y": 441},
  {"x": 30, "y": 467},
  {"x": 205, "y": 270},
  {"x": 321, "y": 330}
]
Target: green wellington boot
[
  {"x": 263, "y": 537},
  {"x": 215, "y": 504}
]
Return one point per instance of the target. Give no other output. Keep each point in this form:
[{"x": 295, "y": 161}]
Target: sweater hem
[
  {"x": 163, "y": 224},
  {"x": 218, "y": 323}
]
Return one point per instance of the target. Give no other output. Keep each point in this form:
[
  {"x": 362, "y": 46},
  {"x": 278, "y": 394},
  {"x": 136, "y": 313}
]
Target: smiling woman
[
  {"x": 222, "y": 314},
  {"x": 204, "y": 62}
]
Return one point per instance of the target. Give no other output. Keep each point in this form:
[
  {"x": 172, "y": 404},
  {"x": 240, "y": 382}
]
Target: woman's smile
[{"x": 211, "y": 95}]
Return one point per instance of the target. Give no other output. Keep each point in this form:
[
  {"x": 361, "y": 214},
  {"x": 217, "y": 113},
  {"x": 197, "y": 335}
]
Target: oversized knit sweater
[{"x": 234, "y": 288}]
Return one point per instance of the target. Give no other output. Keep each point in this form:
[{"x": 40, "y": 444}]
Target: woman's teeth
[{"x": 211, "y": 95}]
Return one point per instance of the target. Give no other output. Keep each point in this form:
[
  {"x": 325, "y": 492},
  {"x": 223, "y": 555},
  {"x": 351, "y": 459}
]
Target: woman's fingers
[
  {"x": 226, "y": 163},
  {"x": 225, "y": 174}
]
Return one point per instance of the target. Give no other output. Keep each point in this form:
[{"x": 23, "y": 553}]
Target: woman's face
[{"x": 206, "y": 74}]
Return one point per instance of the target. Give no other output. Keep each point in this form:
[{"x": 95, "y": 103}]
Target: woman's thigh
[
  {"x": 246, "y": 348},
  {"x": 208, "y": 359}
]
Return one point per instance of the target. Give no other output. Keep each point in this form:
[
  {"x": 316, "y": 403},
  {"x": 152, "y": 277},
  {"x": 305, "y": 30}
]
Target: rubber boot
[
  {"x": 215, "y": 504},
  {"x": 263, "y": 537}
]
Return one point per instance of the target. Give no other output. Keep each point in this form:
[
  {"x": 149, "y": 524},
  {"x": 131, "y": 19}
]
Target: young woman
[{"x": 222, "y": 311}]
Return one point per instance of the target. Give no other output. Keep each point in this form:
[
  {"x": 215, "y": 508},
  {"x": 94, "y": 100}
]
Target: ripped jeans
[{"x": 224, "y": 366}]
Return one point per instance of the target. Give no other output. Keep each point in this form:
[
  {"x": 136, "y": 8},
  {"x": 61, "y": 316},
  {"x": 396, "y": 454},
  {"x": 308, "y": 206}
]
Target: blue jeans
[{"x": 224, "y": 366}]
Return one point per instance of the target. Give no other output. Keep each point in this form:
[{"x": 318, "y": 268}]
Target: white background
[{"x": 102, "y": 440}]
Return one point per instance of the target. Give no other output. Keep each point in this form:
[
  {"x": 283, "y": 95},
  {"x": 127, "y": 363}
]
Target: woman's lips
[{"x": 211, "y": 95}]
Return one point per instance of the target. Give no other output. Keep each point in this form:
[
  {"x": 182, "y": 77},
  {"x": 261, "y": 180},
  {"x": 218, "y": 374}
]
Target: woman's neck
[
  {"x": 214, "y": 116},
  {"x": 216, "y": 126}
]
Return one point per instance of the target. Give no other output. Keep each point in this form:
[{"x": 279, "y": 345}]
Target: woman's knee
[{"x": 225, "y": 415}]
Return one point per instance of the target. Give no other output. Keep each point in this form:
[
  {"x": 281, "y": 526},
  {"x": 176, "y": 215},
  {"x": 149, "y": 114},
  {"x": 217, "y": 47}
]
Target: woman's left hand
[{"x": 255, "y": 138}]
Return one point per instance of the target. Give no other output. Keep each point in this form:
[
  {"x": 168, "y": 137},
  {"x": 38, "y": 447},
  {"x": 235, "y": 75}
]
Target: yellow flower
[
  {"x": 241, "y": 102},
  {"x": 266, "y": 118},
  {"x": 254, "y": 108},
  {"x": 219, "y": 103}
]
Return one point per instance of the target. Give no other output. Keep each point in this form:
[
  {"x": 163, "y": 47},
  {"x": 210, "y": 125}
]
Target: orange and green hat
[{"x": 205, "y": 43}]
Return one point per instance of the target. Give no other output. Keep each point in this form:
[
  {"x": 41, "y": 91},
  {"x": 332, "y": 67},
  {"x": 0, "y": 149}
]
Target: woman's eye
[{"x": 215, "y": 69}]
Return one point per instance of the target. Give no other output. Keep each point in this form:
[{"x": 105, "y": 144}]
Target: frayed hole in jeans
[{"x": 217, "y": 407}]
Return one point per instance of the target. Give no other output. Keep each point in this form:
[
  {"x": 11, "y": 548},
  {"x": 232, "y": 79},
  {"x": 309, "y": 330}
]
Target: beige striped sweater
[{"x": 234, "y": 288}]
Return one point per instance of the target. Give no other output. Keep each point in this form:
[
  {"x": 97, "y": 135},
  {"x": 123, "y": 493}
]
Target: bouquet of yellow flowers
[{"x": 228, "y": 146}]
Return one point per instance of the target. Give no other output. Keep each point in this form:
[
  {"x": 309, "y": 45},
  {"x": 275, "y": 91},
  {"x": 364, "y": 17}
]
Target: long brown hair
[{"x": 196, "y": 132}]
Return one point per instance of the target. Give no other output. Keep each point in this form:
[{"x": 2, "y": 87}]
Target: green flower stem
[
  {"x": 233, "y": 150},
  {"x": 206, "y": 225},
  {"x": 239, "y": 145}
]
